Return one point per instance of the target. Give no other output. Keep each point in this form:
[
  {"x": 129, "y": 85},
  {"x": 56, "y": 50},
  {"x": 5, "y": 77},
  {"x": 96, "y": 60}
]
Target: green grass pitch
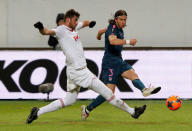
[{"x": 157, "y": 117}]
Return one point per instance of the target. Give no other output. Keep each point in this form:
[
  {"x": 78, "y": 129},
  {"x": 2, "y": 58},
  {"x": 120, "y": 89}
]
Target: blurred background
[{"x": 155, "y": 23}]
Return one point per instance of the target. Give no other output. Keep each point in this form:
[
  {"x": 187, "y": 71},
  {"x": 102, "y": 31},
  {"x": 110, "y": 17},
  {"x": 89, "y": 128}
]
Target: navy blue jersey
[
  {"x": 112, "y": 52},
  {"x": 112, "y": 64}
]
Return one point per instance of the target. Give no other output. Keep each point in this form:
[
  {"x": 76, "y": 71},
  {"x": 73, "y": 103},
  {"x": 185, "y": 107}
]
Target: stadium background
[
  {"x": 155, "y": 23},
  {"x": 163, "y": 55}
]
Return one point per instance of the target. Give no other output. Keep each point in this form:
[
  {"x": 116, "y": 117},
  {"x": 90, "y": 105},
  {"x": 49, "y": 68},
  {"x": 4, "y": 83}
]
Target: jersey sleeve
[
  {"x": 59, "y": 32},
  {"x": 79, "y": 26},
  {"x": 110, "y": 31}
]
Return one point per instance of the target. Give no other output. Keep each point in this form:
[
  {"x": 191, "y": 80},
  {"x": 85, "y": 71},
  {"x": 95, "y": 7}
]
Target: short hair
[
  {"x": 117, "y": 14},
  {"x": 59, "y": 17},
  {"x": 71, "y": 13}
]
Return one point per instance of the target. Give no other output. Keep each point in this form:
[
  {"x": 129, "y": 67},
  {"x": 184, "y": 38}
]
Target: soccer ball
[{"x": 173, "y": 103}]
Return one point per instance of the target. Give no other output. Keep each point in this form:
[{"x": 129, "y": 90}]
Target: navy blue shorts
[{"x": 111, "y": 72}]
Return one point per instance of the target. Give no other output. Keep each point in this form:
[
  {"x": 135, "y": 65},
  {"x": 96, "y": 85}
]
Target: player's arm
[
  {"x": 91, "y": 24},
  {"x": 100, "y": 33},
  {"x": 43, "y": 30},
  {"x": 85, "y": 23},
  {"x": 115, "y": 41}
]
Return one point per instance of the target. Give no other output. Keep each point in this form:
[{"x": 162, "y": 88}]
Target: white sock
[
  {"x": 53, "y": 106},
  {"x": 87, "y": 111},
  {"x": 121, "y": 104},
  {"x": 68, "y": 100}
]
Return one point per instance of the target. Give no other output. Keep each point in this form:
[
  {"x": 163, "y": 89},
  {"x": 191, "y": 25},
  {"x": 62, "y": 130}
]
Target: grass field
[{"x": 157, "y": 117}]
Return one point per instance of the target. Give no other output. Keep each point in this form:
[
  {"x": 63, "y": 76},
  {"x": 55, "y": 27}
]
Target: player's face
[
  {"x": 73, "y": 22},
  {"x": 121, "y": 21}
]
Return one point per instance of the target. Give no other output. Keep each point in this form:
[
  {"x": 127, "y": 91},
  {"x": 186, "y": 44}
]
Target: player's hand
[
  {"x": 38, "y": 25},
  {"x": 98, "y": 37},
  {"x": 92, "y": 24},
  {"x": 133, "y": 42}
]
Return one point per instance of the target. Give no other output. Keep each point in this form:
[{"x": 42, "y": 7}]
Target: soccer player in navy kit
[{"x": 113, "y": 65}]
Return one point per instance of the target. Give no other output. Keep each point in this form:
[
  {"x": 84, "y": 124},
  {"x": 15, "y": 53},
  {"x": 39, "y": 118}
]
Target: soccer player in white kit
[{"x": 78, "y": 75}]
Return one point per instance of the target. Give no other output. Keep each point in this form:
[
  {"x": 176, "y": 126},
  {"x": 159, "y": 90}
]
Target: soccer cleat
[
  {"x": 33, "y": 115},
  {"x": 151, "y": 90},
  {"x": 139, "y": 111},
  {"x": 84, "y": 115}
]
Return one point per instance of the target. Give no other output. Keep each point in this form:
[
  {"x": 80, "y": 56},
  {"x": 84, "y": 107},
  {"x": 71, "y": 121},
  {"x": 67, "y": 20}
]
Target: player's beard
[{"x": 72, "y": 26}]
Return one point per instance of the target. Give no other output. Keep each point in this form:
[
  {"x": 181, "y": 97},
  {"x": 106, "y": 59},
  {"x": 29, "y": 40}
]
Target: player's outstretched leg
[
  {"x": 100, "y": 88},
  {"x": 33, "y": 115},
  {"x": 68, "y": 100},
  {"x": 139, "y": 111},
  {"x": 151, "y": 90}
]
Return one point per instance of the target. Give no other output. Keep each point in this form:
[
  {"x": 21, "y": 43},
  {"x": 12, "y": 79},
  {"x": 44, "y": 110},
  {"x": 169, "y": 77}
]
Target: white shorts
[
  {"x": 72, "y": 86},
  {"x": 79, "y": 78}
]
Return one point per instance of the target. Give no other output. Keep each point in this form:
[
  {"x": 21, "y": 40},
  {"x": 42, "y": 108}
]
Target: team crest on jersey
[{"x": 76, "y": 37}]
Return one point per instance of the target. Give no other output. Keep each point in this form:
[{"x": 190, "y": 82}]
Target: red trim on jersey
[{"x": 68, "y": 28}]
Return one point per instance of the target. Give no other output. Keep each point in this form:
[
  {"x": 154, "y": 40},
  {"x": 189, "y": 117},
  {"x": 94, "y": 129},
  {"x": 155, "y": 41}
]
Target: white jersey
[{"x": 71, "y": 45}]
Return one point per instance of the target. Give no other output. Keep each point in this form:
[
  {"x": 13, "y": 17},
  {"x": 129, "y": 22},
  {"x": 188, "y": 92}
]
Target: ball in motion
[{"x": 173, "y": 103}]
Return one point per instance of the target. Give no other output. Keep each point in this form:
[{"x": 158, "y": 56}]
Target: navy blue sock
[
  {"x": 98, "y": 101},
  {"x": 138, "y": 84}
]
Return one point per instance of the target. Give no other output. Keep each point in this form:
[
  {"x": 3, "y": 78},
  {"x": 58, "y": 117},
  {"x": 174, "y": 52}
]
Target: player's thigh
[
  {"x": 70, "y": 97},
  {"x": 82, "y": 77},
  {"x": 130, "y": 74},
  {"x": 71, "y": 85},
  {"x": 99, "y": 87}
]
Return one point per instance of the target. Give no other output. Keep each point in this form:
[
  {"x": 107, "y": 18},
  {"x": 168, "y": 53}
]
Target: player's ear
[{"x": 116, "y": 20}]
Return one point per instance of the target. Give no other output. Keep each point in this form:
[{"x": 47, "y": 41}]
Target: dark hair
[
  {"x": 71, "y": 13},
  {"x": 117, "y": 14},
  {"x": 59, "y": 17}
]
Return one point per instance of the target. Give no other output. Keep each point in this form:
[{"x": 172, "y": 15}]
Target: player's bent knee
[
  {"x": 73, "y": 101},
  {"x": 70, "y": 98},
  {"x": 69, "y": 102}
]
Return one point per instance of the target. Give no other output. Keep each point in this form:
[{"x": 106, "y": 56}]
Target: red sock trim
[
  {"x": 111, "y": 98},
  {"x": 62, "y": 103},
  {"x": 123, "y": 103}
]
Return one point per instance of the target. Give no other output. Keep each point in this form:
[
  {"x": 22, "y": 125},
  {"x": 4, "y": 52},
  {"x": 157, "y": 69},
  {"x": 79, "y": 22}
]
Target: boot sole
[{"x": 156, "y": 90}]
